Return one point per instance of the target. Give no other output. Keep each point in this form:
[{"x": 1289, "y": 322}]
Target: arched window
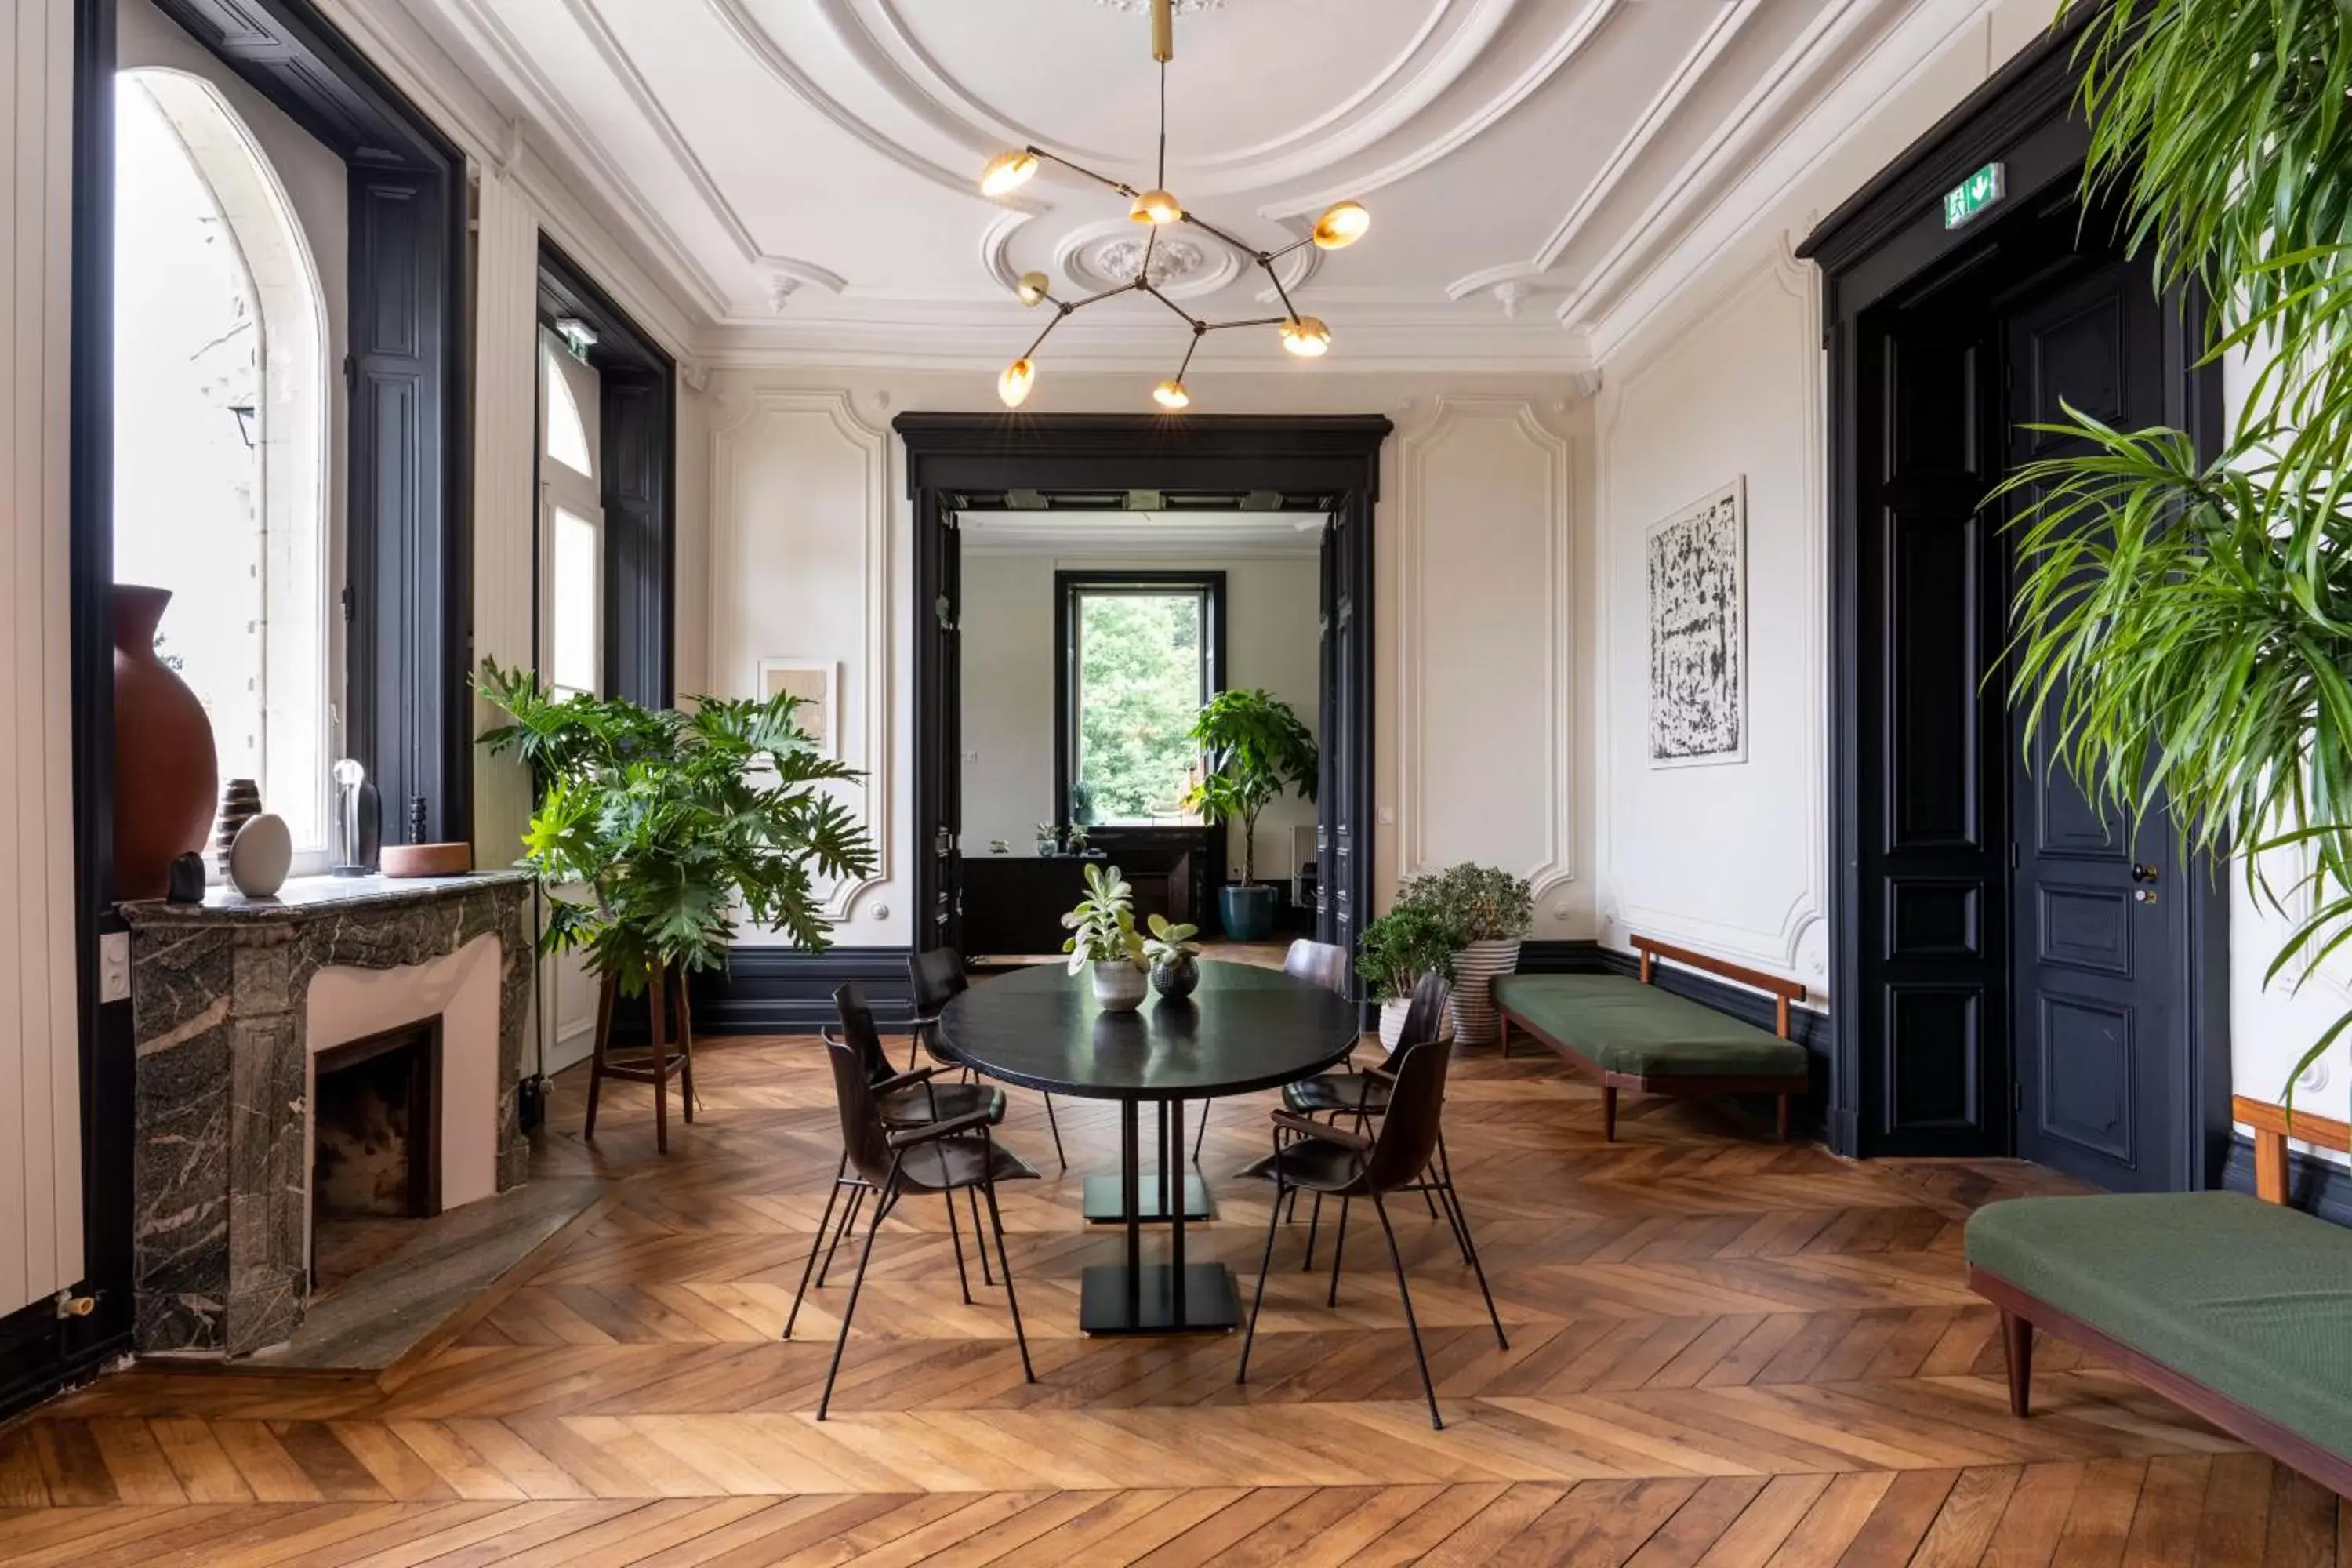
[{"x": 222, "y": 458}]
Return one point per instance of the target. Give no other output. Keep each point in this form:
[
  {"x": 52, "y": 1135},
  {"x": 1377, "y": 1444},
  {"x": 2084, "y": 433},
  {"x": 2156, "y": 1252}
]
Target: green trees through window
[{"x": 1142, "y": 661}]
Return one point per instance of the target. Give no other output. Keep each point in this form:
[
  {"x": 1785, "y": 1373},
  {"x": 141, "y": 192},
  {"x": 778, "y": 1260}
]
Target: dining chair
[
  {"x": 937, "y": 978},
  {"x": 940, "y": 1158},
  {"x": 904, "y": 1100},
  {"x": 1347, "y": 1163},
  {"x": 1316, "y": 962}
]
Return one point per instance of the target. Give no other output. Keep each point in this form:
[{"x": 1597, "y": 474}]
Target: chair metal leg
[
  {"x": 1004, "y": 1259},
  {"x": 1055, "y": 1122},
  {"x": 1453, "y": 1203},
  {"x": 1314, "y": 1220},
  {"x": 955, "y": 1234},
  {"x": 881, "y": 1207},
  {"x": 1339, "y": 1250},
  {"x": 816, "y": 1243},
  {"x": 1201, "y": 1133},
  {"x": 1404, "y": 1294},
  {"x": 848, "y": 1224},
  {"x": 987, "y": 1274},
  {"x": 1265, "y": 1266},
  {"x": 1452, "y": 1199}
]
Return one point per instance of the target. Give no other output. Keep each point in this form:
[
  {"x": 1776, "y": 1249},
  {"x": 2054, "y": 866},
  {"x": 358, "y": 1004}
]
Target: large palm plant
[{"x": 2188, "y": 623}]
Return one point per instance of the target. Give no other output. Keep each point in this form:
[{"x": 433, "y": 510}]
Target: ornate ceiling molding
[{"x": 1184, "y": 266}]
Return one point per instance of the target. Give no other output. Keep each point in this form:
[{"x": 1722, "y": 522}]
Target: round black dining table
[{"x": 1245, "y": 1028}]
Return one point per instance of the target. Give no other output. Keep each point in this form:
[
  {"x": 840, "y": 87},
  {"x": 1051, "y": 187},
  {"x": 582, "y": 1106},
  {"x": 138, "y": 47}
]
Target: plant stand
[{"x": 670, "y": 1051}]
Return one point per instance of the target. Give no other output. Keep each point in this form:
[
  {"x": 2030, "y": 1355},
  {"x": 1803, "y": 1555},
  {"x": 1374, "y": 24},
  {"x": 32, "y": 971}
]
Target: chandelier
[{"x": 1155, "y": 208}]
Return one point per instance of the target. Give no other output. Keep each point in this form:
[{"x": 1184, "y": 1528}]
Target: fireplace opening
[{"x": 375, "y": 1159}]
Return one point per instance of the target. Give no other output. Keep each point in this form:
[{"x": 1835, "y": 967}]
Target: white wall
[
  {"x": 800, "y": 550},
  {"x": 40, "y": 1108},
  {"x": 1273, "y": 639}
]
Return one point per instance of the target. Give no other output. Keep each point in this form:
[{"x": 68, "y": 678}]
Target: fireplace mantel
[{"x": 220, "y": 995}]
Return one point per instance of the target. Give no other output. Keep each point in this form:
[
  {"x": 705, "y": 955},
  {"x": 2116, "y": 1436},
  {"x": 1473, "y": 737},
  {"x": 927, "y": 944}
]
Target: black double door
[{"x": 2026, "y": 957}]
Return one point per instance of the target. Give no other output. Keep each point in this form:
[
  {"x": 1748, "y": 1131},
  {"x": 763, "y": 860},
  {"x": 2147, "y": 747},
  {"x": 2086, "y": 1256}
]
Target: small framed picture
[{"x": 814, "y": 682}]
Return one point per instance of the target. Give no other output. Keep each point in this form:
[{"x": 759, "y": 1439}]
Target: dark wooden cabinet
[{"x": 1013, "y": 905}]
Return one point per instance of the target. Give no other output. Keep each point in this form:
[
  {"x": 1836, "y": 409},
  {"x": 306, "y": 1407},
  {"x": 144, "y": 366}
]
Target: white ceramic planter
[
  {"x": 1392, "y": 1022},
  {"x": 1476, "y": 1021},
  {"x": 1119, "y": 987}
]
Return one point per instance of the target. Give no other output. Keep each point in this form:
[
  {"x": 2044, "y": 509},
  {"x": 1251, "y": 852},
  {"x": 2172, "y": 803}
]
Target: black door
[
  {"x": 938, "y": 715},
  {"x": 1341, "y": 834},
  {"x": 2099, "y": 998}
]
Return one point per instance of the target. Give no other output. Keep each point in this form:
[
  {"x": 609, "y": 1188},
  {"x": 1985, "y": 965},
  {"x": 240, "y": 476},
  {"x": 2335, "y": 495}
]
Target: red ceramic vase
[{"x": 166, "y": 780}]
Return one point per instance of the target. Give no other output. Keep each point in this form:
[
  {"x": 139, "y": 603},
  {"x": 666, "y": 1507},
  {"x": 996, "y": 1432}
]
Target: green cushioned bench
[
  {"x": 1631, "y": 1034},
  {"x": 2237, "y": 1308}
]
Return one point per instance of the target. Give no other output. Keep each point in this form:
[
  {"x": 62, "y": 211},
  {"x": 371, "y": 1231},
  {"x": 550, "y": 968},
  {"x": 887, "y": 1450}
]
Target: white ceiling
[{"x": 803, "y": 174}]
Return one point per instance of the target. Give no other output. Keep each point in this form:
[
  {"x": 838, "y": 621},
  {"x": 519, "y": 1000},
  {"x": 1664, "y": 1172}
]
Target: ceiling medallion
[
  {"x": 1305, "y": 336},
  {"x": 1162, "y": 263},
  {"x": 1182, "y": 7}
]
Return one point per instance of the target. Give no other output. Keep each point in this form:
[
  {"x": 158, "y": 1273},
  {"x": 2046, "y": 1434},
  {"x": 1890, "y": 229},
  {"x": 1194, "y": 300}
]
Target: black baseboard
[
  {"x": 42, "y": 1355},
  {"x": 2314, "y": 1185},
  {"x": 1814, "y": 1031},
  {"x": 784, "y": 990}
]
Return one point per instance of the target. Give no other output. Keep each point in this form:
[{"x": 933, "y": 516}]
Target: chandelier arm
[
  {"x": 1163, "y": 181},
  {"x": 1150, "y": 244},
  {"x": 1171, "y": 304},
  {"x": 1038, "y": 341},
  {"x": 1253, "y": 321},
  {"x": 1250, "y": 250},
  {"x": 1121, "y": 186},
  {"x": 1280, "y": 292},
  {"x": 1106, "y": 294},
  {"x": 1199, "y": 331},
  {"x": 1270, "y": 257}
]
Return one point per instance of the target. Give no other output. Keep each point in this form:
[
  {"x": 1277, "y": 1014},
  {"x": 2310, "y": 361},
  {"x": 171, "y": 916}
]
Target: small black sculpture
[{"x": 186, "y": 880}]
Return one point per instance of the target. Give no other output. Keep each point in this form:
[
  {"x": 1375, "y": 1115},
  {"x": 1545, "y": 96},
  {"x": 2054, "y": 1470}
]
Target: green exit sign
[{"x": 1973, "y": 195}]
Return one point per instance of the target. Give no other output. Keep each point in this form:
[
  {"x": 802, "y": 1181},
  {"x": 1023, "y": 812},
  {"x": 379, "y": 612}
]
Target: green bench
[
  {"x": 1630, "y": 1035},
  {"x": 2237, "y": 1308}
]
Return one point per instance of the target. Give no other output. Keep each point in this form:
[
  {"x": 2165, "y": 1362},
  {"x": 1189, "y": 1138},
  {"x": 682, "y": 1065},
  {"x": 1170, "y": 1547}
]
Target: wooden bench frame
[
  {"x": 1783, "y": 1087},
  {"x": 2021, "y": 1314}
]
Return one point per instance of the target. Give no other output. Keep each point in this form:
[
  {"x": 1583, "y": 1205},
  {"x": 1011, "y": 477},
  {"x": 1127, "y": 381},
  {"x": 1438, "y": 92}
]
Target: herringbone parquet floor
[{"x": 1722, "y": 1352}]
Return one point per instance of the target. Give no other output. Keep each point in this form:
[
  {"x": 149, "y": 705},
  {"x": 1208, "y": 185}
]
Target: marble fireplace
[{"x": 234, "y": 1002}]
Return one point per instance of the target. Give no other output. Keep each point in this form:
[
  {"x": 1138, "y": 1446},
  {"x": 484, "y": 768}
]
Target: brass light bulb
[
  {"x": 1014, "y": 385},
  {"x": 1006, "y": 172},
  {"x": 1306, "y": 337},
  {"x": 1033, "y": 286},
  {"x": 1170, "y": 394},
  {"x": 1156, "y": 206},
  {"x": 1342, "y": 225}
]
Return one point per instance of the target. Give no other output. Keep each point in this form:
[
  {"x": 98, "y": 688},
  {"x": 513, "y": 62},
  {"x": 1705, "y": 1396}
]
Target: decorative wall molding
[
  {"x": 1791, "y": 945},
  {"x": 1451, "y": 413},
  {"x": 732, "y": 657}
]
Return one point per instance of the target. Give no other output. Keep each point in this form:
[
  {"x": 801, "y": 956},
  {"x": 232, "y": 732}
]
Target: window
[
  {"x": 1140, "y": 653},
  {"x": 222, "y": 463},
  {"x": 572, "y": 526}
]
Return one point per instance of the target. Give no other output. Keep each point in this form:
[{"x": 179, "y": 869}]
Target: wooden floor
[{"x": 1722, "y": 1352}]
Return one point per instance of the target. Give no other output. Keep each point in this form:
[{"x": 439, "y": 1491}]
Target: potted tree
[
  {"x": 1394, "y": 952},
  {"x": 1102, "y": 934},
  {"x": 1253, "y": 750},
  {"x": 1490, "y": 912},
  {"x": 653, "y": 829}
]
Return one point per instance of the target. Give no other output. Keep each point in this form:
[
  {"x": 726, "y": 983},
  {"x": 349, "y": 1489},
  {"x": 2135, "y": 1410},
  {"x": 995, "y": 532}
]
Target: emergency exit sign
[{"x": 1973, "y": 195}]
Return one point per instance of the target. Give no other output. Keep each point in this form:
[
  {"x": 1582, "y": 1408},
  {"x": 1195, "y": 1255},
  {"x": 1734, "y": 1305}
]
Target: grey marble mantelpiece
[{"x": 218, "y": 995}]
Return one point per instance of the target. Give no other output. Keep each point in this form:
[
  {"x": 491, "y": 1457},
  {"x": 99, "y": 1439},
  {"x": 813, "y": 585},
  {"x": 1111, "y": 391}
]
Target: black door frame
[
  {"x": 1888, "y": 238},
  {"x": 955, "y": 462}
]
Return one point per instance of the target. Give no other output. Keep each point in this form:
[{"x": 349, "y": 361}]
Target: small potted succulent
[
  {"x": 1393, "y": 952},
  {"x": 1491, "y": 912},
  {"x": 1175, "y": 958},
  {"x": 1103, "y": 934},
  {"x": 1073, "y": 838},
  {"x": 1049, "y": 841}
]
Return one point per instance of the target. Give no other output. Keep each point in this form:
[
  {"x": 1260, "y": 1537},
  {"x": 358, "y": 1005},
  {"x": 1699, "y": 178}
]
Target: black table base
[
  {"x": 1106, "y": 1207},
  {"x": 1116, "y": 1299}
]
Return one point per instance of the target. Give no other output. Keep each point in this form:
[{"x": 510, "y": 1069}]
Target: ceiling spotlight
[
  {"x": 1014, "y": 385},
  {"x": 1306, "y": 337},
  {"x": 1342, "y": 225},
  {"x": 1170, "y": 394},
  {"x": 1007, "y": 172},
  {"x": 1032, "y": 287},
  {"x": 1156, "y": 206}
]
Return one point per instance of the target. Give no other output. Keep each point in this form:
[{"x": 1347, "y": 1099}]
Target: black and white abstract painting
[{"x": 1698, "y": 632}]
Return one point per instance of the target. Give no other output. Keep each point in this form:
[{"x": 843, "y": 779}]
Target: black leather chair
[
  {"x": 1346, "y": 1163},
  {"x": 938, "y": 1157},
  {"x": 1316, "y": 962},
  {"x": 904, "y": 1100},
  {"x": 937, "y": 978}
]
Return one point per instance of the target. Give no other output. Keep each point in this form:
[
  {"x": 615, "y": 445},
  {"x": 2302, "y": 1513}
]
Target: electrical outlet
[{"x": 114, "y": 966}]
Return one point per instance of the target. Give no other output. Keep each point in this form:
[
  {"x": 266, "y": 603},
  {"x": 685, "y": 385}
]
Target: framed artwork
[
  {"x": 1698, "y": 632},
  {"x": 815, "y": 682}
]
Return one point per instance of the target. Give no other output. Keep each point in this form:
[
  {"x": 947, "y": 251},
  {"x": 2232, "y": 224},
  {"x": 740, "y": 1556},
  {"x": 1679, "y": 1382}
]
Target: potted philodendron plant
[
  {"x": 655, "y": 829},
  {"x": 1255, "y": 750},
  {"x": 1103, "y": 934},
  {"x": 1175, "y": 957},
  {"x": 1394, "y": 952},
  {"x": 1491, "y": 912}
]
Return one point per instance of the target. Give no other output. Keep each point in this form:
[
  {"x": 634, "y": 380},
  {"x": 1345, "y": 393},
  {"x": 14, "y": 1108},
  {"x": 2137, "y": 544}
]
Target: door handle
[
  {"x": 2142, "y": 873},
  {"x": 2142, "y": 895}
]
